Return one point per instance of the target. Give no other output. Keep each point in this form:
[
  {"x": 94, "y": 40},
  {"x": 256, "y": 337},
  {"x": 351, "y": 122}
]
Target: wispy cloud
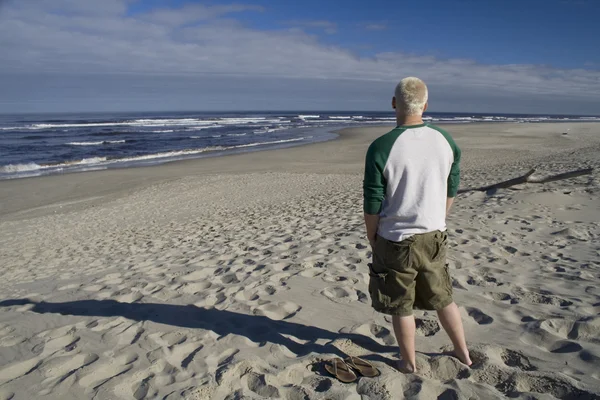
[
  {"x": 195, "y": 12},
  {"x": 38, "y": 36},
  {"x": 326, "y": 26}
]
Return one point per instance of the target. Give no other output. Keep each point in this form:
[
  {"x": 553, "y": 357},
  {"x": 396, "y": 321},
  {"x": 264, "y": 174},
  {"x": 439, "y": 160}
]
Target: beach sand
[{"x": 232, "y": 277}]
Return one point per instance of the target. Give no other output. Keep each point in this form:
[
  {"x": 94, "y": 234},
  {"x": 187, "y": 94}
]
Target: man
[{"x": 411, "y": 178}]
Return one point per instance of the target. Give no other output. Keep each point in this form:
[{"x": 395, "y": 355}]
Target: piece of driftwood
[{"x": 528, "y": 178}]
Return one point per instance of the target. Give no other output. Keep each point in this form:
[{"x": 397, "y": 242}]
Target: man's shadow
[{"x": 258, "y": 329}]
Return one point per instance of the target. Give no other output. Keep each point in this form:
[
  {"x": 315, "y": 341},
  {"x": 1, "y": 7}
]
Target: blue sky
[{"x": 530, "y": 56}]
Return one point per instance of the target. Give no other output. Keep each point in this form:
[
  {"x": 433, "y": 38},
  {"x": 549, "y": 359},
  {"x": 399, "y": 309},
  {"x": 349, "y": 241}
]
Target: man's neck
[{"x": 409, "y": 120}]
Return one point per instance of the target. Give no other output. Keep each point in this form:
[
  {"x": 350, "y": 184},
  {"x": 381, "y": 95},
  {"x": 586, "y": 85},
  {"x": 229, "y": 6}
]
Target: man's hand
[
  {"x": 372, "y": 243},
  {"x": 371, "y": 223}
]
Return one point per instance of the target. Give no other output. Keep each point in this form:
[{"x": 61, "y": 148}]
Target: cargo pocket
[
  {"x": 440, "y": 246},
  {"x": 380, "y": 299},
  {"x": 447, "y": 278}
]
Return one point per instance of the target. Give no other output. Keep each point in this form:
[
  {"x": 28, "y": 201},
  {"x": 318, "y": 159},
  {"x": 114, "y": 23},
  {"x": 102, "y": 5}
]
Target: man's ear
[
  {"x": 394, "y": 102},
  {"x": 426, "y": 105}
]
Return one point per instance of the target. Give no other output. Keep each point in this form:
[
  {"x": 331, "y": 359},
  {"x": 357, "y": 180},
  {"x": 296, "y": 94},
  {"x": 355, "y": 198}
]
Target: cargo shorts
[{"x": 411, "y": 274}]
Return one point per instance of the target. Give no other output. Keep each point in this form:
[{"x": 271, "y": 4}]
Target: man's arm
[
  {"x": 453, "y": 178},
  {"x": 374, "y": 186},
  {"x": 371, "y": 222},
  {"x": 449, "y": 202}
]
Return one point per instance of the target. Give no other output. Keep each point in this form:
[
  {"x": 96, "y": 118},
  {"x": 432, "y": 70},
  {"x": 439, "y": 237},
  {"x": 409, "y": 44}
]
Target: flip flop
[
  {"x": 338, "y": 368},
  {"x": 363, "y": 367}
]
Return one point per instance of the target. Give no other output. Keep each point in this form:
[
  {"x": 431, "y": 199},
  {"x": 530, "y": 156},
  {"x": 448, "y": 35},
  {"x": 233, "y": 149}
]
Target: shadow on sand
[{"x": 258, "y": 329}]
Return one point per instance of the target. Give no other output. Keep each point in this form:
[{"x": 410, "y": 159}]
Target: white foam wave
[
  {"x": 13, "y": 168},
  {"x": 27, "y": 167},
  {"x": 104, "y": 161},
  {"x": 187, "y": 122},
  {"x": 237, "y": 134},
  {"x": 338, "y": 117},
  {"x": 308, "y": 116},
  {"x": 95, "y": 143}
]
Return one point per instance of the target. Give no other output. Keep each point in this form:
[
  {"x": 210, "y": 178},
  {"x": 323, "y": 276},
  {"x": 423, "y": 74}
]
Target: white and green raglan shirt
[{"x": 409, "y": 173}]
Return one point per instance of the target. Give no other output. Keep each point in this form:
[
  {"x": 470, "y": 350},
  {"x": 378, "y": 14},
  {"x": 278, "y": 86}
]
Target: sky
[{"x": 502, "y": 56}]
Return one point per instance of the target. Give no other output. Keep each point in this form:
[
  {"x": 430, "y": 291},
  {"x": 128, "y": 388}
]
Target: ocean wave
[
  {"x": 35, "y": 137},
  {"x": 308, "y": 116},
  {"x": 27, "y": 167},
  {"x": 104, "y": 142},
  {"x": 104, "y": 161},
  {"x": 186, "y": 122},
  {"x": 237, "y": 134}
]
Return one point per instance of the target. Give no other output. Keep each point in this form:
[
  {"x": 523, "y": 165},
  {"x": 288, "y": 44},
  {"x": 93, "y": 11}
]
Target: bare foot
[
  {"x": 405, "y": 367},
  {"x": 463, "y": 357}
]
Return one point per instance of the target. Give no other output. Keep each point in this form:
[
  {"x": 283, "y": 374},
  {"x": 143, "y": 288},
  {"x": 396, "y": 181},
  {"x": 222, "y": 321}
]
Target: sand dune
[{"x": 237, "y": 284}]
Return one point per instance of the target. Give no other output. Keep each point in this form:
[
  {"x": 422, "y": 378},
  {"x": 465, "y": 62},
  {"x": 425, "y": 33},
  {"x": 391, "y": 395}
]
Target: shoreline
[{"x": 95, "y": 187}]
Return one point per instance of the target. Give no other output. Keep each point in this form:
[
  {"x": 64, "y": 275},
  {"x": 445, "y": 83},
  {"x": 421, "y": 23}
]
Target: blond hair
[{"x": 412, "y": 93}]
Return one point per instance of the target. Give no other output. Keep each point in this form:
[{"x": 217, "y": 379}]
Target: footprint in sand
[
  {"x": 311, "y": 272},
  {"x": 516, "y": 359},
  {"x": 108, "y": 370},
  {"x": 6, "y": 395},
  {"x": 7, "y": 338},
  {"x": 200, "y": 275},
  {"x": 17, "y": 370},
  {"x": 344, "y": 294},
  {"x": 278, "y": 311},
  {"x": 214, "y": 361},
  {"x": 93, "y": 288},
  {"x": 66, "y": 343},
  {"x": 246, "y": 296},
  {"x": 379, "y": 333},
  {"x": 500, "y": 296},
  {"x": 445, "y": 368},
  {"x": 564, "y": 346},
  {"x": 130, "y": 297},
  {"x": 181, "y": 355},
  {"x": 70, "y": 287},
  {"x": 483, "y": 281},
  {"x": 131, "y": 334},
  {"x": 58, "y": 369},
  {"x": 211, "y": 300},
  {"x": 427, "y": 327},
  {"x": 195, "y": 287},
  {"x": 11, "y": 340},
  {"x": 257, "y": 383},
  {"x": 479, "y": 316},
  {"x": 540, "y": 298},
  {"x": 558, "y": 386},
  {"x": 583, "y": 329}
]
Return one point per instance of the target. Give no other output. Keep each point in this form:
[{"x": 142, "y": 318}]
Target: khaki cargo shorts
[{"x": 411, "y": 274}]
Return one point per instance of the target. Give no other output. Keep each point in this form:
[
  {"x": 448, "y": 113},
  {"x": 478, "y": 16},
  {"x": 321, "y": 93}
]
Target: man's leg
[
  {"x": 404, "y": 328},
  {"x": 452, "y": 323}
]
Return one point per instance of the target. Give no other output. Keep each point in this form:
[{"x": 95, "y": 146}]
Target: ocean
[{"x": 44, "y": 144}]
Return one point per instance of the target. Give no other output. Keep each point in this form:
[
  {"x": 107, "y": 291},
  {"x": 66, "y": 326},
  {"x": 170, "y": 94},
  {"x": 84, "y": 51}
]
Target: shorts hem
[
  {"x": 398, "y": 313},
  {"x": 443, "y": 304}
]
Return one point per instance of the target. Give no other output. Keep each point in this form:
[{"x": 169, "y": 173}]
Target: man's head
[{"x": 410, "y": 98}]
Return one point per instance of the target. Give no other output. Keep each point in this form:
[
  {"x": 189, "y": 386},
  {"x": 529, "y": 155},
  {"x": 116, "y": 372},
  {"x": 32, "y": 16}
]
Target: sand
[{"x": 232, "y": 277}]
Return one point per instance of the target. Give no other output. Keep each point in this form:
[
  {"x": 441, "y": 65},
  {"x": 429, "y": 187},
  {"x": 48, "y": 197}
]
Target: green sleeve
[
  {"x": 374, "y": 183},
  {"x": 454, "y": 177}
]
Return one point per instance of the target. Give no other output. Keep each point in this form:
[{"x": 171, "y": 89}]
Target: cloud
[
  {"x": 381, "y": 26},
  {"x": 327, "y": 26},
  {"x": 39, "y": 37},
  {"x": 195, "y": 12}
]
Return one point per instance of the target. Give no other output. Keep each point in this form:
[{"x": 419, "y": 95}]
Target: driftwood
[{"x": 528, "y": 178}]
